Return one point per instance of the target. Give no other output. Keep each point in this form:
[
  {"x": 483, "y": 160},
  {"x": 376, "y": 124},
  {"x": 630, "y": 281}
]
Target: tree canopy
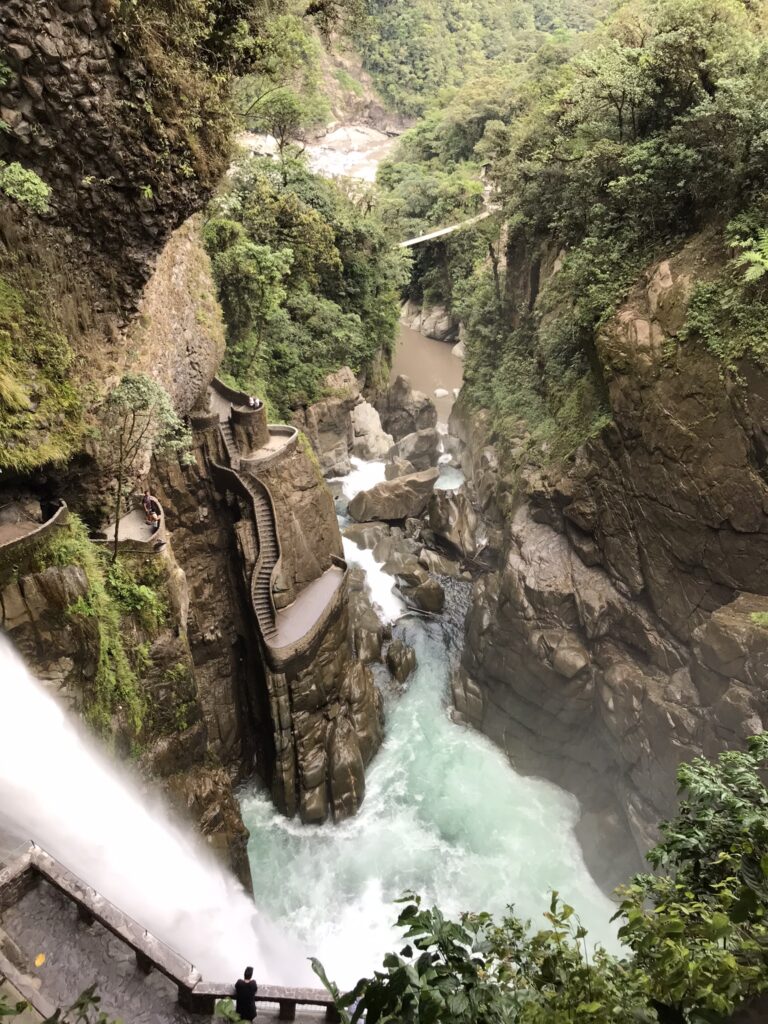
[{"x": 307, "y": 277}]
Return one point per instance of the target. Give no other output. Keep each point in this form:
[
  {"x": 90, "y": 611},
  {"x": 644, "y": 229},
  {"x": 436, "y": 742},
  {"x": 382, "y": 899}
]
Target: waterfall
[{"x": 58, "y": 790}]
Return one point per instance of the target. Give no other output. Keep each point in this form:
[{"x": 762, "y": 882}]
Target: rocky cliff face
[
  {"x": 76, "y": 108},
  {"x": 623, "y": 629}
]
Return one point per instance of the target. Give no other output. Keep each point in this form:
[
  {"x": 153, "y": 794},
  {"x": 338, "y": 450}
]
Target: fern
[{"x": 754, "y": 257}]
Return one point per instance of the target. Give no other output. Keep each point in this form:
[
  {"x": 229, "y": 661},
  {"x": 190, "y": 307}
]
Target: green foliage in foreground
[
  {"x": 695, "y": 933},
  {"x": 307, "y": 278},
  {"x": 84, "y": 1010}
]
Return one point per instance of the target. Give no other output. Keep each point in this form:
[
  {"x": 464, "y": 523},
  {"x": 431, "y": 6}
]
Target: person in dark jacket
[
  {"x": 245, "y": 995},
  {"x": 152, "y": 511}
]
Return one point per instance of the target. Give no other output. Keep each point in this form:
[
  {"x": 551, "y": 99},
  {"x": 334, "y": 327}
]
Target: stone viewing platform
[
  {"x": 44, "y": 908},
  {"x": 18, "y": 528},
  {"x": 134, "y": 532}
]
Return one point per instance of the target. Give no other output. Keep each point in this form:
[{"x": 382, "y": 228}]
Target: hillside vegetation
[
  {"x": 415, "y": 49},
  {"x": 606, "y": 156},
  {"x": 308, "y": 280}
]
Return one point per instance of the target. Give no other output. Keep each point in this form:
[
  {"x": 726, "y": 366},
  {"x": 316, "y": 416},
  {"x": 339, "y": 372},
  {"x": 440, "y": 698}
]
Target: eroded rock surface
[
  {"x": 419, "y": 448},
  {"x": 622, "y": 632}
]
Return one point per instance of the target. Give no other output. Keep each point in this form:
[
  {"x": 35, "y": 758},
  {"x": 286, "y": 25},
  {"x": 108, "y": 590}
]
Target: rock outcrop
[
  {"x": 177, "y": 336},
  {"x": 328, "y": 423},
  {"x": 434, "y": 321},
  {"x": 328, "y": 723},
  {"x": 369, "y": 440},
  {"x": 420, "y": 448},
  {"x": 403, "y": 410},
  {"x": 309, "y": 533},
  {"x": 623, "y": 632},
  {"x": 401, "y": 498},
  {"x": 76, "y": 108}
]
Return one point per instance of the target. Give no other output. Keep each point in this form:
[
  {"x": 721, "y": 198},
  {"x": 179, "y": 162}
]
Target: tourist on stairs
[{"x": 245, "y": 995}]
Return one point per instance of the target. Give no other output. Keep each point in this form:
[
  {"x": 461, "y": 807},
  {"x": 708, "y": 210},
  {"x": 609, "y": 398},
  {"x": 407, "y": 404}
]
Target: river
[
  {"x": 445, "y": 815},
  {"x": 430, "y": 366}
]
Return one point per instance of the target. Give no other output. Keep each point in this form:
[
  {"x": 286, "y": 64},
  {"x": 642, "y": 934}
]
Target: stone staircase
[
  {"x": 269, "y": 554},
  {"x": 230, "y": 446},
  {"x": 266, "y": 530}
]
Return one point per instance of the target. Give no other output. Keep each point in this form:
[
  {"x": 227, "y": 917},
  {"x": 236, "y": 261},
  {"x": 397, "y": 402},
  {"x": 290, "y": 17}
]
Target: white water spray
[{"x": 57, "y": 790}]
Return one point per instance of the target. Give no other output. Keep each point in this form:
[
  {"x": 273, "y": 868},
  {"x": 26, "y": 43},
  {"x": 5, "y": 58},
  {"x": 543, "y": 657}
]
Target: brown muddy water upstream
[{"x": 429, "y": 365}]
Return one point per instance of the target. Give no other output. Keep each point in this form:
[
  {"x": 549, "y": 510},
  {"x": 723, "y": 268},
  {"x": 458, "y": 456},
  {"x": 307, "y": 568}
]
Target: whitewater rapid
[
  {"x": 444, "y": 815},
  {"x": 58, "y": 790}
]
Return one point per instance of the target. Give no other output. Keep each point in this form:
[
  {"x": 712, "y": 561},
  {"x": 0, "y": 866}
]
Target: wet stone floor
[{"x": 78, "y": 956}]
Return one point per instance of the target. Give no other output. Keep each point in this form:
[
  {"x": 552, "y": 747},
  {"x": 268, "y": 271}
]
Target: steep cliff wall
[{"x": 623, "y": 629}]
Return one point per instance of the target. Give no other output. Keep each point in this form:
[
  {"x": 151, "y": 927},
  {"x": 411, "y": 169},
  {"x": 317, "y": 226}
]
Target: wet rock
[
  {"x": 428, "y": 595},
  {"x": 369, "y": 440},
  {"x": 401, "y": 660},
  {"x": 347, "y": 770},
  {"x": 367, "y": 535},
  {"x": 397, "y": 467},
  {"x": 420, "y": 448},
  {"x": 403, "y": 410},
  {"x": 364, "y": 708},
  {"x": 402, "y": 498},
  {"x": 452, "y": 516},
  {"x": 204, "y": 795},
  {"x": 438, "y": 564}
]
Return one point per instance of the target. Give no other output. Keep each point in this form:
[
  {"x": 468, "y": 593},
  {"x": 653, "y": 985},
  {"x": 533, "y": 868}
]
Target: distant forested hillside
[{"x": 415, "y": 48}]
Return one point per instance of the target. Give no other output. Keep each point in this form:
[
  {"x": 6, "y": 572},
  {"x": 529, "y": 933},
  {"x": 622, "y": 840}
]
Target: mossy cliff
[{"x": 120, "y": 109}]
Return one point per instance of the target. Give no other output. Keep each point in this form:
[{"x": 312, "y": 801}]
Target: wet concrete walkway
[{"x": 78, "y": 955}]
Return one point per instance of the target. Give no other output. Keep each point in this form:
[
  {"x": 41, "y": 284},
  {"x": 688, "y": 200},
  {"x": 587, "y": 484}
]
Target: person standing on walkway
[
  {"x": 245, "y": 995},
  {"x": 152, "y": 511}
]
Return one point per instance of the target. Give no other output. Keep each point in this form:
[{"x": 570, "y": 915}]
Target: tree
[{"x": 137, "y": 421}]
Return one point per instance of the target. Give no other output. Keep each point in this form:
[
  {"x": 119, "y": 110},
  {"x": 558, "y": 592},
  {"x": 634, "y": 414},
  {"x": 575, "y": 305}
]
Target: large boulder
[
  {"x": 420, "y": 448},
  {"x": 428, "y": 595},
  {"x": 328, "y": 423},
  {"x": 401, "y": 660},
  {"x": 402, "y": 498},
  {"x": 398, "y": 467},
  {"x": 369, "y": 440},
  {"x": 452, "y": 517},
  {"x": 404, "y": 410}
]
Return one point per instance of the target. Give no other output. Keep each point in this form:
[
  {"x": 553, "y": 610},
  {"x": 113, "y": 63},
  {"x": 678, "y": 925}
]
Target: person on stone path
[
  {"x": 245, "y": 995},
  {"x": 253, "y": 402},
  {"x": 152, "y": 510}
]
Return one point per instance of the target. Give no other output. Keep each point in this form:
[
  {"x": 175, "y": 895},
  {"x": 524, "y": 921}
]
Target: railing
[
  {"x": 138, "y": 544},
  {"x": 59, "y": 518},
  {"x": 229, "y": 480},
  {"x": 237, "y": 398},
  {"x": 195, "y": 995}
]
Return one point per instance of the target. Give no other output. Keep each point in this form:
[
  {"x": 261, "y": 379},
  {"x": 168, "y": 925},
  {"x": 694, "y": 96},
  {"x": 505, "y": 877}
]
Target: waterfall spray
[{"x": 58, "y": 790}]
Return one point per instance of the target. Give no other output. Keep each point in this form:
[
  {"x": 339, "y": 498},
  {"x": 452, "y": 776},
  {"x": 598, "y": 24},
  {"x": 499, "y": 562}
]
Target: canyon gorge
[{"x": 343, "y": 570}]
